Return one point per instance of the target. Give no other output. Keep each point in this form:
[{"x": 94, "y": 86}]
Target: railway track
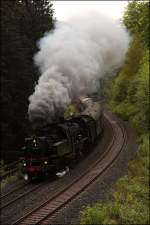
[
  {"x": 11, "y": 192},
  {"x": 17, "y": 194},
  {"x": 59, "y": 199}
]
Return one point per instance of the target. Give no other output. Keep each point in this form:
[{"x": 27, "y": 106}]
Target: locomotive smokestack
[{"x": 71, "y": 60}]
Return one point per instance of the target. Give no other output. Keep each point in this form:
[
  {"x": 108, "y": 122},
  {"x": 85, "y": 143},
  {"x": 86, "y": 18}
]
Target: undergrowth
[
  {"x": 10, "y": 178},
  {"x": 130, "y": 197}
]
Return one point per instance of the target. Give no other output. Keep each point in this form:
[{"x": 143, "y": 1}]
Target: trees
[
  {"x": 136, "y": 19},
  {"x": 130, "y": 89},
  {"x": 23, "y": 22}
]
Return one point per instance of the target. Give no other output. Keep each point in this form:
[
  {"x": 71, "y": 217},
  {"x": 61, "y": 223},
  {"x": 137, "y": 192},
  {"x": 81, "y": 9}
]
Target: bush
[{"x": 95, "y": 215}]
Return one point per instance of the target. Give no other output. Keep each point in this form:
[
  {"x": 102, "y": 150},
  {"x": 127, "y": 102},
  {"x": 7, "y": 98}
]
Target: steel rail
[
  {"x": 12, "y": 191},
  {"x": 20, "y": 196}
]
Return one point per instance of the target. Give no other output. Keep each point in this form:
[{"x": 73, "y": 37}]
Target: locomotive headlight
[
  {"x": 26, "y": 177},
  {"x": 45, "y": 162},
  {"x": 24, "y": 164}
]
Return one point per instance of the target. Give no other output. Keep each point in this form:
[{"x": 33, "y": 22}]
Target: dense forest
[
  {"x": 129, "y": 99},
  {"x": 23, "y": 22}
]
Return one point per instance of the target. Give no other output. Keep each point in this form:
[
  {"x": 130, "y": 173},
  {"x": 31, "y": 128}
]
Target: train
[{"x": 55, "y": 146}]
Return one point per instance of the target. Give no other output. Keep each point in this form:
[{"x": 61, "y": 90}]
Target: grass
[{"x": 130, "y": 196}]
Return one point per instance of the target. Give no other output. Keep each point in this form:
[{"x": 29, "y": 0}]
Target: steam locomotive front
[{"x": 35, "y": 161}]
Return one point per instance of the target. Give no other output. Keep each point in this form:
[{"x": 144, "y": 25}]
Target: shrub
[{"x": 95, "y": 215}]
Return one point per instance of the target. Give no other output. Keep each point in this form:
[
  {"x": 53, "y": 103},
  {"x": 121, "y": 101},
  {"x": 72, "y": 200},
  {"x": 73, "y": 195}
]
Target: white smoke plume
[{"x": 71, "y": 60}]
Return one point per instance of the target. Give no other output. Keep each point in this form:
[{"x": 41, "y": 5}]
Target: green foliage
[
  {"x": 141, "y": 96},
  {"x": 119, "y": 89},
  {"x": 95, "y": 215},
  {"x": 130, "y": 91},
  {"x": 131, "y": 94},
  {"x": 136, "y": 19},
  {"x": 140, "y": 166},
  {"x": 134, "y": 56},
  {"x": 69, "y": 110}
]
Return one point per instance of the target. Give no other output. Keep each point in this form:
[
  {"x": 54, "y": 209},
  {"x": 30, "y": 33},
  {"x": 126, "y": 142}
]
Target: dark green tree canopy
[{"x": 23, "y": 22}]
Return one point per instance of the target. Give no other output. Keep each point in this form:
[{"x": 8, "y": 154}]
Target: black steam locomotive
[{"x": 55, "y": 146}]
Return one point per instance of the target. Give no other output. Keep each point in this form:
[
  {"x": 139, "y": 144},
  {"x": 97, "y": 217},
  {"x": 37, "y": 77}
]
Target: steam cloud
[{"x": 72, "y": 58}]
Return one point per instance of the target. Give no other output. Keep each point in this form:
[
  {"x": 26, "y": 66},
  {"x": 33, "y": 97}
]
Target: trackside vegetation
[
  {"x": 129, "y": 99},
  {"x": 8, "y": 170}
]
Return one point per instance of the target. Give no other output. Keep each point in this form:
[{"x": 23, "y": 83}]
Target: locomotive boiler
[{"x": 56, "y": 145}]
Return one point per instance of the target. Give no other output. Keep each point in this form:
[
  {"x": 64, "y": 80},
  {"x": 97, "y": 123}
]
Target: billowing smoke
[{"x": 71, "y": 60}]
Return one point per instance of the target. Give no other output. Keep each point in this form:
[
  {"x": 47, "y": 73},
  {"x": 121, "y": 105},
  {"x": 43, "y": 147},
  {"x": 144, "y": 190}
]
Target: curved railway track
[{"x": 58, "y": 200}]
